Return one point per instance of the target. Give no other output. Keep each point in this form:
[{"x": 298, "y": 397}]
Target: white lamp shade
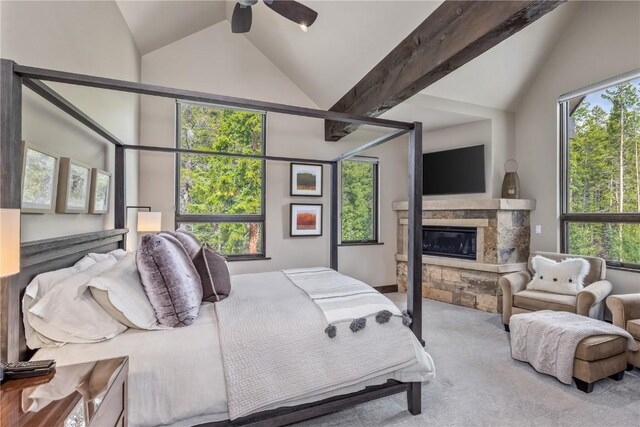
[
  {"x": 149, "y": 221},
  {"x": 9, "y": 242}
]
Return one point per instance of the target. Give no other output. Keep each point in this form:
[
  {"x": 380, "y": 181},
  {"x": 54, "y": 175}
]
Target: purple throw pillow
[
  {"x": 170, "y": 280},
  {"x": 189, "y": 241},
  {"x": 214, "y": 274}
]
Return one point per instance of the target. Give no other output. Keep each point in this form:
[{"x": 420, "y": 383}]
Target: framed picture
[
  {"x": 306, "y": 180},
  {"x": 99, "y": 193},
  {"x": 73, "y": 187},
  {"x": 306, "y": 219},
  {"x": 39, "y": 180}
]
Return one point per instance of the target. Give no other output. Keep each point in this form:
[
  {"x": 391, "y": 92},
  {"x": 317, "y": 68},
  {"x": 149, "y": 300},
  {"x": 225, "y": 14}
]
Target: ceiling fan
[{"x": 292, "y": 10}]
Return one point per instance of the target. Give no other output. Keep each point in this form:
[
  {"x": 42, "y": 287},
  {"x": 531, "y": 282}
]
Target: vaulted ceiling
[
  {"x": 155, "y": 24},
  {"x": 349, "y": 38}
]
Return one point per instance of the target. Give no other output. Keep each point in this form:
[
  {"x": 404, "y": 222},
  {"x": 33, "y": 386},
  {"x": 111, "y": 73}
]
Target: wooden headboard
[{"x": 38, "y": 257}]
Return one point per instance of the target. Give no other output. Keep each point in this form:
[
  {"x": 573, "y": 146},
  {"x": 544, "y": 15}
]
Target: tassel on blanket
[
  {"x": 331, "y": 331},
  {"x": 358, "y": 324},
  {"x": 383, "y": 316},
  {"x": 406, "y": 318}
]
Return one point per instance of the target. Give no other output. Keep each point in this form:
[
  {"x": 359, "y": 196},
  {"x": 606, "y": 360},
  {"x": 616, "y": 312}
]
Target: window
[
  {"x": 221, "y": 198},
  {"x": 359, "y": 201},
  {"x": 600, "y": 152}
]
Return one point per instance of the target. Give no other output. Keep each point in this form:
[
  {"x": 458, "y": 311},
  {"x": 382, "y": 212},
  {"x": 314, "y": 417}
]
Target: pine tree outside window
[
  {"x": 600, "y": 174},
  {"x": 220, "y": 199},
  {"x": 359, "y": 201}
]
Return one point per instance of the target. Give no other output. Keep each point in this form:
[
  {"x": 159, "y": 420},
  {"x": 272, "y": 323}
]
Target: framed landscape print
[
  {"x": 39, "y": 180},
  {"x": 99, "y": 193},
  {"x": 306, "y": 220},
  {"x": 306, "y": 180},
  {"x": 73, "y": 187}
]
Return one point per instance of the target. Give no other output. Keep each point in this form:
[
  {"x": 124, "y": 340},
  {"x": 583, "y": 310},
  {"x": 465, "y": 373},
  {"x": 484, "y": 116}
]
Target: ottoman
[
  {"x": 570, "y": 347},
  {"x": 599, "y": 357}
]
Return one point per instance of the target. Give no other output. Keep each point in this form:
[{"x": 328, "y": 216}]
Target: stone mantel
[
  {"x": 470, "y": 204},
  {"x": 502, "y": 242},
  {"x": 467, "y": 264}
]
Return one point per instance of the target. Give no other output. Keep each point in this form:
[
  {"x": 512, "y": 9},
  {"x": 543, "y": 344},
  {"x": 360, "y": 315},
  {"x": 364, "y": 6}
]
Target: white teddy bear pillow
[{"x": 565, "y": 277}]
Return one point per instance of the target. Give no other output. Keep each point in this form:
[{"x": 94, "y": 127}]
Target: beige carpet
[{"x": 478, "y": 384}]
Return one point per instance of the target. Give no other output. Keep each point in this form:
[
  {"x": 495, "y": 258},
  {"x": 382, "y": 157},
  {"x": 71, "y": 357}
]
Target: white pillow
[
  {"x": 39, "y": 286},
  {"x": 124, "y": 297},
  {"x": 565, "y": 277},
  {"x": 65, "y": 315},
  {"x": 117, "y": 254}
]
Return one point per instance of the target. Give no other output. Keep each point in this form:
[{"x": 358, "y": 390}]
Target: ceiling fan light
[{"x": 304, "y": 27}]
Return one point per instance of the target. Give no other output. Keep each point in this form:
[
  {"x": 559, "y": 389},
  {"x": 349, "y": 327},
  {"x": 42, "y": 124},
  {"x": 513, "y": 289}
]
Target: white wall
[
  {"x": 216, "y": 61},
  {"x": 602, "y": 41},
  {"x": 81, "y": 37}
]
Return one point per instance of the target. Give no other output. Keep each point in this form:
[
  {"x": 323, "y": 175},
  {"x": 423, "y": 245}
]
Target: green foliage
[
  {"x": 604, "y": 172},
  {"x": 358, "y": 203},
  {"x": 229, "y": 238},
  {"x": 219, "y": 184}
]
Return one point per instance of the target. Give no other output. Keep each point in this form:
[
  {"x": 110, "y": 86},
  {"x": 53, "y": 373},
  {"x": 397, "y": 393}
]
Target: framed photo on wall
[
  {"x": 306, "y": 180},
  {"x": 306, "y": 219},
  {"x": 73, "y": 187},
  {"x": 99, "y": 193},
  {"x": 39, "y": 180}
]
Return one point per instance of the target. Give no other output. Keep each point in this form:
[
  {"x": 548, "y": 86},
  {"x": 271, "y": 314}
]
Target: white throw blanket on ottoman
[{"x": 548, "y": 339}]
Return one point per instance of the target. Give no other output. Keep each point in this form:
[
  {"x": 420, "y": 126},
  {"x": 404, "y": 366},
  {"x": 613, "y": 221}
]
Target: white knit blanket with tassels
[
  {"x": 340, "y": 298},
  {"x": 548, "y": 339}
]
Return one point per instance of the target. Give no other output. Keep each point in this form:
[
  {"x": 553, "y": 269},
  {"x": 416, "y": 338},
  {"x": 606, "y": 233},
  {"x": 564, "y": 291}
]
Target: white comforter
[
  {"x": 285, "y": 327},
  {"x": 176, "y": 376}
]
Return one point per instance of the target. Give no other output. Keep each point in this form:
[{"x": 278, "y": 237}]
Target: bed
[
  {"x": 56, "y": 253},
  {"x": 177, "y": 376}
]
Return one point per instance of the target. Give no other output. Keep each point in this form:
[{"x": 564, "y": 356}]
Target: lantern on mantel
[{"x": 511, "y": 182}]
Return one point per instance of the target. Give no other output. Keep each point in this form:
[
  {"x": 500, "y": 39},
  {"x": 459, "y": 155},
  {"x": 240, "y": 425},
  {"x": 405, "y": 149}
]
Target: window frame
[
  {"x": 221, "y": 218},
  {"x": 376, "y": 200},
  {"x": 566, "y": 217}
]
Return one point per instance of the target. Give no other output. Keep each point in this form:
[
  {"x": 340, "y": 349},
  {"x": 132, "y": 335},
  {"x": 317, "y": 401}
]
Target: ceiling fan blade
[
  {"x": 294, "y": 11},
  {"x": 241, "y": 19}
]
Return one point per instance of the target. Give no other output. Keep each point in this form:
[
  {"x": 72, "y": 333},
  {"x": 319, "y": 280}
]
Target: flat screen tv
[{"x": 459, "y": 171}]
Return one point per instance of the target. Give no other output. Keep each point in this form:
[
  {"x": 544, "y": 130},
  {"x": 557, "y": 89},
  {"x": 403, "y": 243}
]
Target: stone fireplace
[{"x": 467, "y": 244}]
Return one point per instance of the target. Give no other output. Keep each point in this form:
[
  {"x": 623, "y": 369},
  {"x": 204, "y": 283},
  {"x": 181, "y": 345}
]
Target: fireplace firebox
[{"x": 452, "y": 242}]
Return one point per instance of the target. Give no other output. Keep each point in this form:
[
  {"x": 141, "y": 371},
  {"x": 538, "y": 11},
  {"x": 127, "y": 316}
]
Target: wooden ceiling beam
[{"x": 454, "y": 34}]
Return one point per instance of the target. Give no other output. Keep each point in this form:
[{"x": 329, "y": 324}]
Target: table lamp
[
  {"x": 9, "y": 242},
  {"x": 149, "y": 222}
]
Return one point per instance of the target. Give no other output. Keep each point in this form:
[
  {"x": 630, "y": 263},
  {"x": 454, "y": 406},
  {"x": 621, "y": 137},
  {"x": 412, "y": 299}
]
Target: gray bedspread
[{"x": 274, "y": 349}]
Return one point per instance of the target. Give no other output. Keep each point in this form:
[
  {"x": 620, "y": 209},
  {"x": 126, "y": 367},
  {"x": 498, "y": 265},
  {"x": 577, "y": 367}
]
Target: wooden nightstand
[{"x": 92, "y": 394}]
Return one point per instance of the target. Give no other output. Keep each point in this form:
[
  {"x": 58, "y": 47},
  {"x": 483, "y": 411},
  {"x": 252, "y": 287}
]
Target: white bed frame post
[{"x": 414, "y": 268}]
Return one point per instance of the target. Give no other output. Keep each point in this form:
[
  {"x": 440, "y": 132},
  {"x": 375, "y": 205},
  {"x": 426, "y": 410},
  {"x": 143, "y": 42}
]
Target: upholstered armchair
[
  {"x": 589, "y": 302},
  {"x": 626, "y": 315}
]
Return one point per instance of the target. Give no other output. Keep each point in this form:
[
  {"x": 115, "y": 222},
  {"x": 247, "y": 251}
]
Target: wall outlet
[{"x": 538, "y": 229}]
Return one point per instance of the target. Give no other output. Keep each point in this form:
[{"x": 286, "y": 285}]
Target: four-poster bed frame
[{"x": 50, "y": 254}]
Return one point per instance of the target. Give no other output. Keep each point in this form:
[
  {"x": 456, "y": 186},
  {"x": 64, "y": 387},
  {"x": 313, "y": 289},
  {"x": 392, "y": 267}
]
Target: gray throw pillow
[
  {"x": 189, "y": 241},
  {"x": 170, "y": 280},
  {"x": 214, "y": 274}
]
